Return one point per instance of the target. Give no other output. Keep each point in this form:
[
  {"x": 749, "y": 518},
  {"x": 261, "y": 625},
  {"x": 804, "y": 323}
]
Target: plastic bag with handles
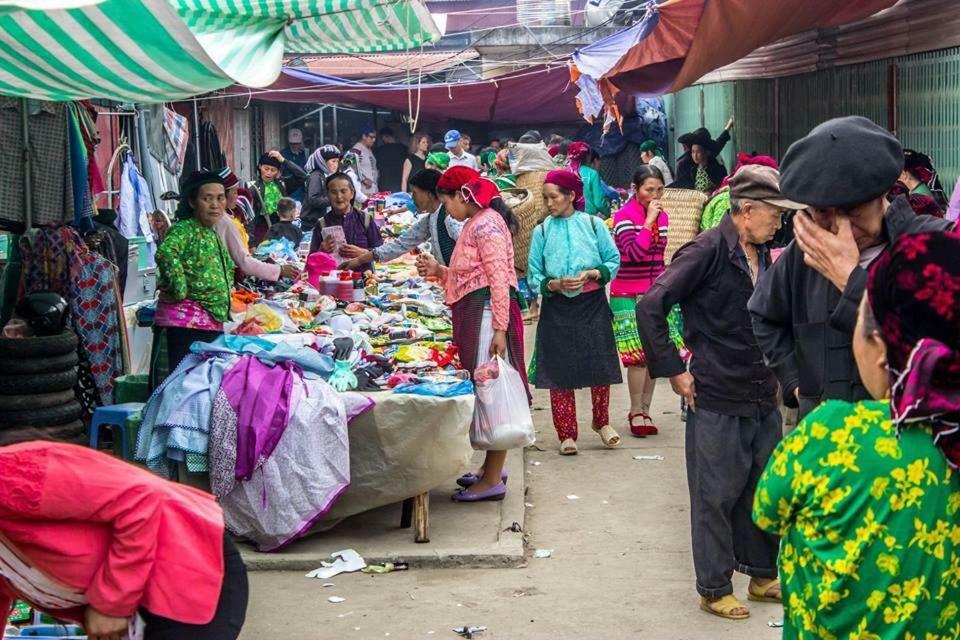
[{"x": 501, "y": 418}]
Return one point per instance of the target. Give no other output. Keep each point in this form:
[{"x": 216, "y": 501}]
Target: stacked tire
[{"x": 37, "y": 380}]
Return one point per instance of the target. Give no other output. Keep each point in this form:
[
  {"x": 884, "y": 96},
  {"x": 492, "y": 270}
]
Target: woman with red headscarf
[
  {"x": 572, "y": 258},
  {"x": 865, "y": 495},
  {"x": 480, "y": 286}
]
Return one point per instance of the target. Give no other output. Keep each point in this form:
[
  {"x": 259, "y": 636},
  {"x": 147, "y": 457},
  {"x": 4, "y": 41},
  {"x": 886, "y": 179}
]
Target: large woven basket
[
  {"x": 685, "y": 208},
  {"x": 530, "y": 214}
]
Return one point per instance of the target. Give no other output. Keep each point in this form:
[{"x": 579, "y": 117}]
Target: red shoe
[{"x": 637, "y": 430}]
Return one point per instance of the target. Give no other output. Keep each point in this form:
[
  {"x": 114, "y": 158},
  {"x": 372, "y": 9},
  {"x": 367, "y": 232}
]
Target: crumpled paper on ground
[{"x": 345, "y": 561}]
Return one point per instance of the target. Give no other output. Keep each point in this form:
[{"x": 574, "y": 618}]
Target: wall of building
[{"x": 917, "y": 97}]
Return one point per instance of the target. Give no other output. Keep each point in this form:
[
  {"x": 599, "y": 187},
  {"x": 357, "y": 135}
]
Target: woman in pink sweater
[
  {"x": 480, "y": 286},
  {"x": 640, "y": 230},
  {"x": 91, "y": 539}
]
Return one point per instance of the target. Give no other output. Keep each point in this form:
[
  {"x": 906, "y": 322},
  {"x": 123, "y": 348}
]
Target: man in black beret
[{"x": 805, "y": 308}]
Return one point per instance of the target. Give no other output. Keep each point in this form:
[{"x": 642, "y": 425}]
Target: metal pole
[
  {"x": 27, "y": 166},
  {"x": 321, "y": 125},
  {"x": 336, "y": 129},
  {"x": 196, "y": 132}
]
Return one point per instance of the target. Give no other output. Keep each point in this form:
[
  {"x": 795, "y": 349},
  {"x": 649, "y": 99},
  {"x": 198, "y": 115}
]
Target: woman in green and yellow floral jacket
[
  {"x": 866, "y": 496},
  {"x": 194, "y": 273}
]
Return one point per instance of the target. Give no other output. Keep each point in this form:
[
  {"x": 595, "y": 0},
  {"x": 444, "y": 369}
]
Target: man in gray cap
[
  {"x": 805, "y": 309},
  {"x": 734, "y": 424}
]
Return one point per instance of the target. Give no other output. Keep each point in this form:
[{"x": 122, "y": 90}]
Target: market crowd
[{"x": 826, "y": 281}]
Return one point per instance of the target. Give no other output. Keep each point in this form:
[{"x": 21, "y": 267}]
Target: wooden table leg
[
  {"x": 406, "y": 514},
  {"x": 421, "y": 518}
]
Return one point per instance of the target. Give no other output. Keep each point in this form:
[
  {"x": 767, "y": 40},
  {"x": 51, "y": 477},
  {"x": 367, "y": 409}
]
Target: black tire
[
  {"x": 50, "y": 417},
  {"x": 38, "y": 347},
  {"x": 39, "y": 383},
  {"x": 50, "y": 364},
  {"x": 36, "y": 401},
  {"x": 73, "y": 433}
]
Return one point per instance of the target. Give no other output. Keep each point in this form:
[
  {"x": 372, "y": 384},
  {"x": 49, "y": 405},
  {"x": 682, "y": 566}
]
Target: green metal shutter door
[
  {"x": 928, "y": 108},
  {"x": 809, "y": 99},
  {"x": 755, "y": 130},
  {"x": 686, "y": 107}
]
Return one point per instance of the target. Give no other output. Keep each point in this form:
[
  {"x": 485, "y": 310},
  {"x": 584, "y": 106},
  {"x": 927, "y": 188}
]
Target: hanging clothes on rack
[
  {"x": 176, "y": 130},
  {"x": 79, "y": 174},
  {"x": 87, "y": 119},
  {"x": 135, "y": 207},
  {"x": 57, "y": 259},
  {"x": 211, "y": 154},
  {"x": 52, "y": 185}
]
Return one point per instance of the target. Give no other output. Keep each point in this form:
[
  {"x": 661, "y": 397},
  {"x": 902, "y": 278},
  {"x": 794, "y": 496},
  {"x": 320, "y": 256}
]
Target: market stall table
[{"x": 399, "y": 450}]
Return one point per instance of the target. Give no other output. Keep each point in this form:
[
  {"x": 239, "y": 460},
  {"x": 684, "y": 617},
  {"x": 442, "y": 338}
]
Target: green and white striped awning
[{"x": 159, "y": 50}]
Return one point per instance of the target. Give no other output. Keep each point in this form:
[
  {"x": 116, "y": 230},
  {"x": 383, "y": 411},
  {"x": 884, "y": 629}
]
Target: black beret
[{"x": 841, "y": 163}]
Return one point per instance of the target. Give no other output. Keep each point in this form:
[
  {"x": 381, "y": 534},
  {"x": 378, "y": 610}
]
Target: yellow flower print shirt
[{"x": 870, "y": 528}]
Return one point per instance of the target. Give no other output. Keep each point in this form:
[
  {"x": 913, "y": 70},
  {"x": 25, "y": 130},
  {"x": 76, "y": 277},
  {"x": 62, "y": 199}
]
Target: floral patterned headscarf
[{"x": 914, "y": 293}]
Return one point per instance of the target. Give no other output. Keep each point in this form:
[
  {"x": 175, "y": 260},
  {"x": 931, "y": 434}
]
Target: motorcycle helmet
[{"x": 45, "y": 312}]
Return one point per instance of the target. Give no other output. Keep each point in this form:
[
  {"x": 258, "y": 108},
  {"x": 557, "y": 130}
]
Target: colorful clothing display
[
  {"x": 867, "y": 521},
  {"x": 194, "y": 264},
  {"x": 56, "y": 259}
]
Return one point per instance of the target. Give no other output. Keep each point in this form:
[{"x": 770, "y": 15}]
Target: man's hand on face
[{"x": 833, "y": 255}]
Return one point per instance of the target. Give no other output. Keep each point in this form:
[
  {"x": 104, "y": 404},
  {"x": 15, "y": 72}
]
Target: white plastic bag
[{"x": 501, "y": 419}]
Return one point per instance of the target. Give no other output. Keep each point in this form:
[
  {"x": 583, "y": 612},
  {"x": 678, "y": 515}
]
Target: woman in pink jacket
[{"x": 91, "y": 539}]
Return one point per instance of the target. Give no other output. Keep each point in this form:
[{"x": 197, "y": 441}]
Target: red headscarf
[
  {"x": 744, "y": 159},
  {"x": 480, "y": 191},
  {"x": 575, "y": 153},
  {"x": 914, "y": 293},
  {"x": 454, "y": 178},
  {"x": 571, "y": 182}
]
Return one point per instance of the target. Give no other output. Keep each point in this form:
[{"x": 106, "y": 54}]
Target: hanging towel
[{"x": 176, "y": 129}]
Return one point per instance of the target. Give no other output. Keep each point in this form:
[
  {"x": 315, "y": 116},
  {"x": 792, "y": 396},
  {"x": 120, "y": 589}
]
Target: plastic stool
[{"x": 113, "y": 416}]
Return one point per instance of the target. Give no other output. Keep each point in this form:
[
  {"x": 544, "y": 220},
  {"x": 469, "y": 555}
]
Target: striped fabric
[{"x": 158, "y": 50}]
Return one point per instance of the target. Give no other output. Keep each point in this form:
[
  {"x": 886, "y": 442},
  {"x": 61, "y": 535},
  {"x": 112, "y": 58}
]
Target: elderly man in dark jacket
[
  {"x": 805, "y": 309},
  {"x": 733, "y": 425}
]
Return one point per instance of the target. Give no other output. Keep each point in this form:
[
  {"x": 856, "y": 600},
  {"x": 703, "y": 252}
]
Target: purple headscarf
[{"x": 914, "y": 293}]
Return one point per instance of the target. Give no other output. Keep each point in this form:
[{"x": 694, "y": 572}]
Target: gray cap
[
  {"x": 842, "y": 163},
  {"x": 758, "y": 182}
]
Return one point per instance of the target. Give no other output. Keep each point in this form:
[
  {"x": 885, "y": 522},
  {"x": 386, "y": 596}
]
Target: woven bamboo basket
[
  {"x": 685, "y": 208},
  {"x": 530, "y": 213}
]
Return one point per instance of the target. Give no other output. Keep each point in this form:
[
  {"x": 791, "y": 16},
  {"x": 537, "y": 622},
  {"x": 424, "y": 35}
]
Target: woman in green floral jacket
[
  {"x": 194, "y": 272},
  {"x": 866, "y": 496}
]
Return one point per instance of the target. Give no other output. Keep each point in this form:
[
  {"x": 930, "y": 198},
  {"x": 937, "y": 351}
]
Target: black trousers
[
  {"x": 725, "y": 457},
  {"x": 178, "y": 347},
  {"x": 231, "y": 608}
]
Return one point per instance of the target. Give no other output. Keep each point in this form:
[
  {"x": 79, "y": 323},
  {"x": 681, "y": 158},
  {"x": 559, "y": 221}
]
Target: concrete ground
[{"x": 621, "y": 565}]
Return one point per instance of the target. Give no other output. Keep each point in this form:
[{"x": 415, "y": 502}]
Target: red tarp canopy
[{"x": 540, "y": 94}]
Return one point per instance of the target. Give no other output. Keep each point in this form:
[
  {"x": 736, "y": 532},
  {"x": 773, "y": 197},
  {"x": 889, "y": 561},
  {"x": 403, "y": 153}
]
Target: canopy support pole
[
  {"x": 27, "y": 165},
  {"x": 336, "y": 129},
  {"x": 196, "y": 133}
]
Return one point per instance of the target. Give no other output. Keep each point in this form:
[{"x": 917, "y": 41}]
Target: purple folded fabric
[{"x": 260, "y": 394}]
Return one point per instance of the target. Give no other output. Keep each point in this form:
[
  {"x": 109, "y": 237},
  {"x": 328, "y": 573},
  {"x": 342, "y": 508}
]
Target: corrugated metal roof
[
  {"x": 388, "y": 64},
  {"x": 910, "y": 26}
]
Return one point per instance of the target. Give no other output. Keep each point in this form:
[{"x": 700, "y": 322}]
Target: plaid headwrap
[{"x": 914, "y": 293}]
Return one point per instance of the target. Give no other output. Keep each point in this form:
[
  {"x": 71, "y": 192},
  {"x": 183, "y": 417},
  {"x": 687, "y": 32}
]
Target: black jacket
[
  {"x": 710, "y": 281},
  {"x": 804, "y": 324},
  {"x": 315, "y": 201},
  {"x": 686, "y": 170}
]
